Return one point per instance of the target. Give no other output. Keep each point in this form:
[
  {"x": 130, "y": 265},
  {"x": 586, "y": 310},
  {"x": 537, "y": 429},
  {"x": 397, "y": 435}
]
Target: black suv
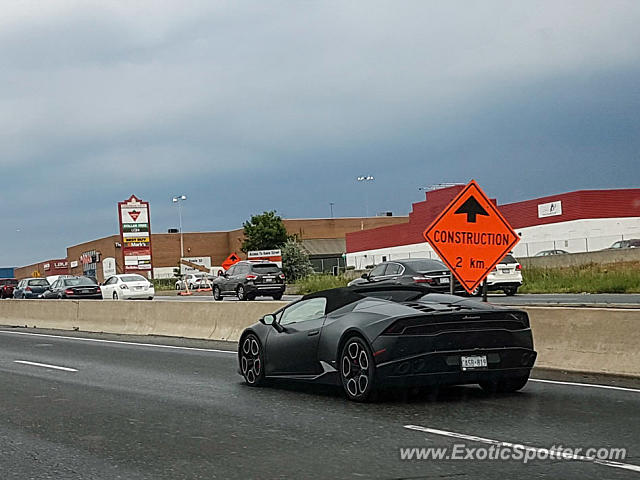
[{"x": 248, "y": 279}]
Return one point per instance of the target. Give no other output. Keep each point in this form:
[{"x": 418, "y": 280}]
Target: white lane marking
[
  {"x": 45, "y": 365},
  {"x": 592, "y": 385},
  {"x": 546, "y": 451},
  {"x": 98, "y": 340}
]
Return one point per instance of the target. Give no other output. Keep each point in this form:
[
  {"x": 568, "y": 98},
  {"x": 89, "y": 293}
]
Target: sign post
[
  {"x": 471, "y": 236},
  {"x": 135, "y": 232}
]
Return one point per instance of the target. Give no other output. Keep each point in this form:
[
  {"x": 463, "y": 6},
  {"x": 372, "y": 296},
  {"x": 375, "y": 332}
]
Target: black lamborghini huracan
[{"x": 366, "y": 337}]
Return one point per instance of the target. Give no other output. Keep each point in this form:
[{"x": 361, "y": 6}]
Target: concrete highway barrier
[
  {"x": 593, "y": 340},
  {"x": 213, "y": 321}
]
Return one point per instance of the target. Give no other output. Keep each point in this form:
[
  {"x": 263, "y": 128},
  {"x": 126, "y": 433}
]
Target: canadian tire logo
[{"x": 134, "y": 214}]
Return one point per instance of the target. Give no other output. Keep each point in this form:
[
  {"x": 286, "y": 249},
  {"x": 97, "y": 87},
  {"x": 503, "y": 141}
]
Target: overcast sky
[{"x": 250, "y": 106}]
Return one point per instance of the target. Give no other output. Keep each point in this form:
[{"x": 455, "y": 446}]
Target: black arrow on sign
[{"x": 471, "y": 208}]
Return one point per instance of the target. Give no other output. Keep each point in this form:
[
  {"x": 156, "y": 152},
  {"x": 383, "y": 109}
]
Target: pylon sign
[{"x": 471, "y": 236}]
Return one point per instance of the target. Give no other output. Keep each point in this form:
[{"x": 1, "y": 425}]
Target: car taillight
[
  {"x": 281, "y": 276},
  {"x": 251, "y": 277},
  {"x": 424, "y": 280},
  {"x": 68, "y": 291},
  {"x": 98, "y": 290},
  {"x": 27, "y": 289},
  {"x": 518, "y": 267}
]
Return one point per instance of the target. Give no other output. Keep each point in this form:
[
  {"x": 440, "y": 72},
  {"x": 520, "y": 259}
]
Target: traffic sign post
[{"x": 471, "y": 236}]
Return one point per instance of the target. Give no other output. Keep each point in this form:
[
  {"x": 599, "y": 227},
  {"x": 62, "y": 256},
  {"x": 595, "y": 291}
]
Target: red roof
[{"x": 582, "y": 204}]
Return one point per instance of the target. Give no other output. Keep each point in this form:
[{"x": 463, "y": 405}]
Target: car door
[
  {"x": 294, "y": 350},
  {"x": 108, "y": 286},
  {"x": 226, "y": 279}
]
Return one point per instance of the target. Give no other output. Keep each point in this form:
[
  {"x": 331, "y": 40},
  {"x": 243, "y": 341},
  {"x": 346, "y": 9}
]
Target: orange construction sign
[
  {"x": 471, "y": 236},
  {"x": 231, "y": 260}
]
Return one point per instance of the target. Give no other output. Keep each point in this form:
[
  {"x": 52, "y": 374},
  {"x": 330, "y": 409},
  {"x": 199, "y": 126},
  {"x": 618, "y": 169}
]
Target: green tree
[
  {"x": 295, "y": 261},
  {"x": 264, "y": 232}
]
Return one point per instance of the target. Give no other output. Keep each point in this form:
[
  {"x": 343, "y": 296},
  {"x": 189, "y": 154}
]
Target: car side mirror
[
  {"x": 365, "y": 276},
  {"x": 270, "y": 319}
]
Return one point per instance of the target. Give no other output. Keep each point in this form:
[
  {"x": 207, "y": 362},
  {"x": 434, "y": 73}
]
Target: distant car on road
[
  {"x": 128, "y": 286},
  {"x": 30, "y": 288},
  {"x": 6, "y": 287},
  {"x": 422, "y": 271},
  {"x": 367, "y": 337},
  {"x": 73, "y": 287},
  {"x": 631, "y": 243},
  {"x": 506, "y": 276},
  {"x": 250, "y": 279},
  {"x": 547, "y": 253}
]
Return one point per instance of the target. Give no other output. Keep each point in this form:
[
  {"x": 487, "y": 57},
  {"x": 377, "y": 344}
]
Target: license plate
[
  {"x": 506, "y": 270},
  {"x": 479, "y": 361},
  {"x": 86, "y": 291},
  {"x": 268, "y": 280},
  {"x": 139, "y": 288},
  {"x": 444, "y": 280}
]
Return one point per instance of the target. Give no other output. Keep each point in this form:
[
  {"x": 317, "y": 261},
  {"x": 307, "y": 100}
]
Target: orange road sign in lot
[
  {"x": 230, "y": 261},
  {"x": 471, "y": 236}
]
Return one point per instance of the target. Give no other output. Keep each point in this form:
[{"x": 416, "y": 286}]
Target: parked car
[
  {"x": 631, "y": 243},
  {"x": 506, "y": 276},
  {"x": 191, "y": 279},
  {"x": 73, "y": 287},
  {"x": 6, "y": 287},
  {"x": 369, "y": 336},
  {"x": 31, "y": 288},
  {"x": 127, "y": 286},
  {"x": 421, "y": 271},
  {"x": 547, "y": 253},
  {"x": 250, "y": 279}
]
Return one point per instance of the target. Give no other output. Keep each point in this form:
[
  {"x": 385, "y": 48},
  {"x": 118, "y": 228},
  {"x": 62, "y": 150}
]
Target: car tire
[
  {"x": 505, "y": 385},
  {"x": 115, "y": 296},
  {"x": 241, "y": 293},
  {"x": 357, "y": 370},
  {"x": 251, "y": 359},
  {"x": 278, "y": 296},
  {"x": 510, "y": 291},
  {"x": 216, "y": 293}
]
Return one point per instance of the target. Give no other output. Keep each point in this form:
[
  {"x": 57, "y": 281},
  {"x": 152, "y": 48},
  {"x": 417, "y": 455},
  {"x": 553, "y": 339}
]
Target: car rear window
[
  {"x": 267, "y": 268},
  {"x": 74, "y": 282},
  {"x": 39, "y": 283},
  {"x": 426, "y": 265},
  {"x": 508, "y": 259},
  {"x": 9, "y": 282},
  {"x": 132, "y": 278}
]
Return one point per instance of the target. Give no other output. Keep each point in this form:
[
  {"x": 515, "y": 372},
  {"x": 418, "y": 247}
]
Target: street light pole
[
  {"x": 331, "y": 204},
  {"x": 366, "y": 179},
  {"x": 178, "y": 199}
]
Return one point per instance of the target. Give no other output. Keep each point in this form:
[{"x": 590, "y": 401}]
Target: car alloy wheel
[
  {"x": 356, "y": 369},
  {"x": 216, "y": 293},
  {"x": 251, "y": 361},
  {"x": 241, "y": 293}
]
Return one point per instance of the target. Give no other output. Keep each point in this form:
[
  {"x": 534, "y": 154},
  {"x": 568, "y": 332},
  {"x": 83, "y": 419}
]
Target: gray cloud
[{"x": 229, "y": 100}]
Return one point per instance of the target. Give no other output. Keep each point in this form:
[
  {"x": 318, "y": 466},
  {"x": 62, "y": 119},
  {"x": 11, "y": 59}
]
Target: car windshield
[
  {"x": 266, "y": 268},
  {"x": 508, "y": 259},
  {"x": 132, "y": 278},
  {"x": 425, "y": 265},
  {"x": 74, "y": 282},
  {"x": 41, "y": 282}
]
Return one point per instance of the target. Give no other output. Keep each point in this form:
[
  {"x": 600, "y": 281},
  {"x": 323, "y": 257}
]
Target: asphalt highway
[{"x": 85, "y": 407}]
